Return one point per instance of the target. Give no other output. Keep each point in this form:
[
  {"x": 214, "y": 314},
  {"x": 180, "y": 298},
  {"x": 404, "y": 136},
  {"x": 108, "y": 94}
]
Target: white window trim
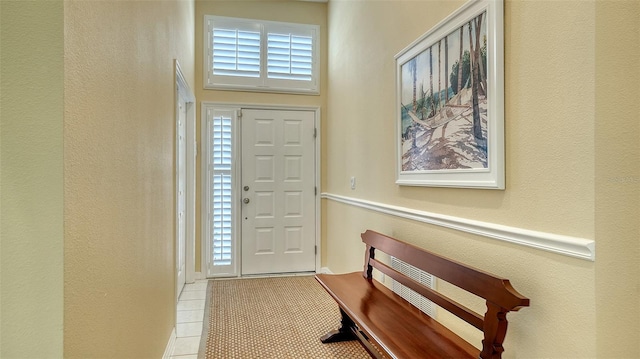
[{"x": 262, "y": 84}]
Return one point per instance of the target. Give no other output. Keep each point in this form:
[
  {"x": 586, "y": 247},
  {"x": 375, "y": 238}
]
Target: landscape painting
[{"x": 444, "y": 97}]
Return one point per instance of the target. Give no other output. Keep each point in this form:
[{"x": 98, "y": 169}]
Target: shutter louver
[
  {"x": 289, "y": 57},
  {"x": 221, "y": 192}
]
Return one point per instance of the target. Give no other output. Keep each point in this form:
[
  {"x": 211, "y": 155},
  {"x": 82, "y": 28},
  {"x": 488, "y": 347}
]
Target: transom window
[{"x": 257, "y": 55}]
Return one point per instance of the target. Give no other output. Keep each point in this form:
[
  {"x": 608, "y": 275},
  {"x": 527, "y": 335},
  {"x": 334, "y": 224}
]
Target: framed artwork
[{"x": 450, "y": 102}]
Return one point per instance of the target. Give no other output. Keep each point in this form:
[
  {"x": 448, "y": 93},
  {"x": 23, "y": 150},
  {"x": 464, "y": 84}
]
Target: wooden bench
[{"x": 376, "y": 315}]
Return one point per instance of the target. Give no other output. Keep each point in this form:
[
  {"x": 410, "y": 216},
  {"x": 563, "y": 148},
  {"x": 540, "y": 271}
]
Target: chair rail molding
[{"x": 576, "y": 247}]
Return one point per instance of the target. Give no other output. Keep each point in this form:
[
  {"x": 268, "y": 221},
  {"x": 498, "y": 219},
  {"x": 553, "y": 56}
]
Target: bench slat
[
  {"x": 449, "y": 304},
  {"x": 392, "y": 323},
  {"x": 496, "y": 290}
]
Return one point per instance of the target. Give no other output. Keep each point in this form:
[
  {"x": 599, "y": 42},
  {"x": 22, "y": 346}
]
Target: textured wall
[
  {"x": 31, "y": 176},
  {"x": 549, "y": 90},
  {"x": 286, "y": 11},
  {"x": 119, "y": 298},
  {"x": 557, "y": 57},
  {"x": 617, "y": 178}
]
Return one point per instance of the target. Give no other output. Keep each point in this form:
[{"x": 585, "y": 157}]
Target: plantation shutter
[
  {"x": 236, "y": 52},
  {"x": 258, "y": 55},
  {"x": 289, "y": 57},
  {"x": 221, "y": 226}
]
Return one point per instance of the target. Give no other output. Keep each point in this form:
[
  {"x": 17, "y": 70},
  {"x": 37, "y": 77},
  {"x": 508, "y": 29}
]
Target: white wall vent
[{"x": 409, "y": 295}]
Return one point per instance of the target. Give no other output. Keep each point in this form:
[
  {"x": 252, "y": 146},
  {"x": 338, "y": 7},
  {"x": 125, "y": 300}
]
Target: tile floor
[{"x": 190, "y": 316}]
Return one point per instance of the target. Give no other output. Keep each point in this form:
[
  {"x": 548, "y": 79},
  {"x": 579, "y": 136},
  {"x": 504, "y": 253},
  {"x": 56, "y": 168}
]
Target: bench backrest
[{"x": 500, "y": 296}]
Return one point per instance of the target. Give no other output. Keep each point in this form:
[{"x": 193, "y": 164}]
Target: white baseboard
[
  {"x": 172, "y": 343},
  {"x": 325, "y": 270},
  {"x": 199, "y": 276}
]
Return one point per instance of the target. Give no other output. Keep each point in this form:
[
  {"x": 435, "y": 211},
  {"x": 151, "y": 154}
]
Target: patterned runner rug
[{"x": 266, "y": 318}]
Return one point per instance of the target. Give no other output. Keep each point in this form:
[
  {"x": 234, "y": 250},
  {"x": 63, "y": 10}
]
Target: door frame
[
  {"x": 317, "y": 166},
  {"x": 183, "y": 90}
]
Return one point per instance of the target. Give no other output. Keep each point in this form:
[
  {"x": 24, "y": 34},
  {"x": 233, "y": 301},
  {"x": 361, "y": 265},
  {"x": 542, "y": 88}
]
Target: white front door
[
  {"x": 181, "y": 172},
  {"x": 278, "y": 191}
]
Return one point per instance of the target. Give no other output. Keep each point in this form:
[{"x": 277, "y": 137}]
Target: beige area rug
[{"x": 271, "y": 318}]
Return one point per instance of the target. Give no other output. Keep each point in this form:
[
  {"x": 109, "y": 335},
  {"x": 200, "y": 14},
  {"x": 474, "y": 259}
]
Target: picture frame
[{"x": 450, "y": 118}]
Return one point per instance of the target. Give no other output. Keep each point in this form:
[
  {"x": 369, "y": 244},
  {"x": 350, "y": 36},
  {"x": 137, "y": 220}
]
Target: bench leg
[{"x": 343, "y": 334}]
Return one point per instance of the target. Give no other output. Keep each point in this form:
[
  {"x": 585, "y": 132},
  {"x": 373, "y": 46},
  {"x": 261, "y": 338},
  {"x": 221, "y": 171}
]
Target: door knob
[{"x": 246, "y": 200}]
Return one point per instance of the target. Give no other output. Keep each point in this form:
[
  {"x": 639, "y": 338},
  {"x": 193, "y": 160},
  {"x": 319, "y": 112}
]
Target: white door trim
[
  {"x": 182, "y": 89},
  {"x": 250, "y": 106}
]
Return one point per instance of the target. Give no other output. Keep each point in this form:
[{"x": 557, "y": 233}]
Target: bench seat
[{"x": 390, "y": 322}]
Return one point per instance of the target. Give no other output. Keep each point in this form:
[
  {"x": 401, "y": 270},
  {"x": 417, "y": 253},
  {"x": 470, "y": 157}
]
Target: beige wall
[
  {"x": 31, "y": 299},
  {"x": 568, "y": 79},
  {"x": 617, "y": 174},
  {"x": 119, "y": 121},
  {"x": 286, "y": 11}
]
